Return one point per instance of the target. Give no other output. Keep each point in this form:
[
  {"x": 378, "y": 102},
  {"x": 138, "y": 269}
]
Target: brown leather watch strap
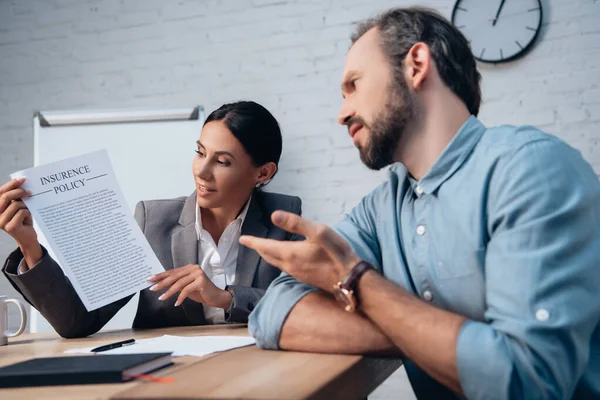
[{"x": 351, "y": 279}]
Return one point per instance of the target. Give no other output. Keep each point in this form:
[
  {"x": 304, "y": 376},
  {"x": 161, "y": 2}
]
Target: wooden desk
[{"x": 245, "y": 373}]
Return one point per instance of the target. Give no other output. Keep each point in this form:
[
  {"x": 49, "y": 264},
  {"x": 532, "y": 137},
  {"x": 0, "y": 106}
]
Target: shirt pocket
[{"x": 460, "y": 263}]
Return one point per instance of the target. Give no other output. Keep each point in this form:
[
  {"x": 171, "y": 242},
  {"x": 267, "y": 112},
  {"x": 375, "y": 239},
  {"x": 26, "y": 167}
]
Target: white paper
[
  {"x": 198, "y": 346},
  {"x": 81, "y": 216}
]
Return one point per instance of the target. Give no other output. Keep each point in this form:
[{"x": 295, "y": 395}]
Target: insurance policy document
[{"x": 81, "y": 215}]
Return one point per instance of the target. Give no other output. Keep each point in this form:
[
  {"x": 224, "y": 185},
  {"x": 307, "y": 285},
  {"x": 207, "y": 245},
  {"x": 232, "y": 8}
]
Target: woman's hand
[
  {"x": 190, "y": 281},
  {"x": 15, "y": 219}
]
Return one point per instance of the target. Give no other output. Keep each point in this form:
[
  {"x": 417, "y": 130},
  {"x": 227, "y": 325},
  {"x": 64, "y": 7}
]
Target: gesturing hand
[
  {"x": 322, "y": 260},
  {"x": 190, "y": 281}
]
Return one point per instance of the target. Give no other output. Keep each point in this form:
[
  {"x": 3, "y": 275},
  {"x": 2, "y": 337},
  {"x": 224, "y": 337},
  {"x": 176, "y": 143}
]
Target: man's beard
[{"x": 388, "y": 127}]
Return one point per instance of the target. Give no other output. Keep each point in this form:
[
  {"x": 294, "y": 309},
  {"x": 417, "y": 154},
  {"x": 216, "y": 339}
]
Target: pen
[{"x": 113, "y": 345}]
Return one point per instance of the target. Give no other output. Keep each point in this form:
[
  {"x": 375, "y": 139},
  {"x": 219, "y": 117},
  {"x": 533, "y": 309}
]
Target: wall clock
[{"x": 499, "y": 30}]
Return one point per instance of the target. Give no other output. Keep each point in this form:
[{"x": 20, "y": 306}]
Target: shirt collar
[
  {"x": 453, "y": 156},
  {"x": 241, "y": 218}
]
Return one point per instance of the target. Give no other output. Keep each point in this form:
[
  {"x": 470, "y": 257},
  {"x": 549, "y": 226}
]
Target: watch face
[
  {"x": 499, "y": 30},
  {"x": 345, "y": 298}
]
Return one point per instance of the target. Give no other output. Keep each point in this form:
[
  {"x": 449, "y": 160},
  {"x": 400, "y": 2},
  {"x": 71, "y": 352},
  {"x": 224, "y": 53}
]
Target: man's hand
[
  {"x": 190, "y": 281},
  {"x": 15, "y": 219},
  {"x": 322, "y": 260}
]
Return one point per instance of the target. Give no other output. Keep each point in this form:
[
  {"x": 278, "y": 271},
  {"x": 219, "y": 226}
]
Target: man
[{"x": 485, "y": 242}]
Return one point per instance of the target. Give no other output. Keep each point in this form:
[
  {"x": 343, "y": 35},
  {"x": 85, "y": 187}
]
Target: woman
[{"x": 195, "y": 237}]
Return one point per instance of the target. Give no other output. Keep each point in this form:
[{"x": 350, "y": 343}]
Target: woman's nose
[{"x": 202, "y": 170}]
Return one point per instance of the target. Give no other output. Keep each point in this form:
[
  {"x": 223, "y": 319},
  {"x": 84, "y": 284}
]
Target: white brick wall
[{"x": 285, "y": 54}]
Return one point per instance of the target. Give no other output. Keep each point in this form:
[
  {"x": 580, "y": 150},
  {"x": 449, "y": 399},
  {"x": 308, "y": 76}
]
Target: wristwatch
[{"x": 345, "y": 290}]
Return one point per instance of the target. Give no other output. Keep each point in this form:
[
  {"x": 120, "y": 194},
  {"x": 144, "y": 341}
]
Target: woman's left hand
[{"x": 190, "y": 281}]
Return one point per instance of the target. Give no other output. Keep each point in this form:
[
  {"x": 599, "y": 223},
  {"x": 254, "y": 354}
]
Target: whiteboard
[{"x": 151, "y": 151}]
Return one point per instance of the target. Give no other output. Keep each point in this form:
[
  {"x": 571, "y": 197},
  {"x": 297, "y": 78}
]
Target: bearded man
[{"x": 477, "y": 260}]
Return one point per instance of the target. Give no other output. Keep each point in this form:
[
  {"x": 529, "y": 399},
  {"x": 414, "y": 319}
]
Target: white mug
[{"x": 4, "y": 335}]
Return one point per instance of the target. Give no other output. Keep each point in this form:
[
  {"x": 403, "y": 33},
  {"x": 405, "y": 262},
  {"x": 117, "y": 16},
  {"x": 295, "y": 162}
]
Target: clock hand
[{"x": 498, "y": 13}]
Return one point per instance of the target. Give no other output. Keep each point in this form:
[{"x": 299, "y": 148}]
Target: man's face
[{"x": 377, "y": 105}]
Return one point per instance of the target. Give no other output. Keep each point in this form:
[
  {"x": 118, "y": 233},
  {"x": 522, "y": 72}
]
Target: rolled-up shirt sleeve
[
  {"x": 358, "y": 228},
  {"x": 542, "y": 277},
  {"x": 267, "y": 319}
]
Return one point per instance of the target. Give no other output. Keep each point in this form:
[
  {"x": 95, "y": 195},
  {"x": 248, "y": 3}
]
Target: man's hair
[{"x": 402, "y": 28}]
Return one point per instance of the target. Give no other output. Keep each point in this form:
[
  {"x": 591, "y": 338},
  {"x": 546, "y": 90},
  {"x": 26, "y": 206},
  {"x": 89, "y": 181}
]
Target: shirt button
[
  {"x": 419, "y": 190},
  {"x": 542, "y": 315},
  {"x": 427, "y": 295},
  {"x": 420, "y": 230}
]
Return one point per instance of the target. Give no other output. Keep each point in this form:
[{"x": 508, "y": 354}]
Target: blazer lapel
[
  {"x": 248, "y": 259},
  {"x": 184, "y": 248},
  {"x": 184, "y": 242}
]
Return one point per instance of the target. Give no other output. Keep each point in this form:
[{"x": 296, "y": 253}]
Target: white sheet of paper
[
  {"x": 198, "y": 346},
  {"x": 81, "y": 215}
]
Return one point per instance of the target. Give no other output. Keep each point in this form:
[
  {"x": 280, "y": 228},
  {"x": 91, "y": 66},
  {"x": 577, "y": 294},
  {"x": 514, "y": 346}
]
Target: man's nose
[{"x": 346, "y": 112}]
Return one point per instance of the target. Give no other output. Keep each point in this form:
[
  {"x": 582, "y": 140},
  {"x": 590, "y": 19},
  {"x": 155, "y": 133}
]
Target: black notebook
[{"x": 79, "y": 370}]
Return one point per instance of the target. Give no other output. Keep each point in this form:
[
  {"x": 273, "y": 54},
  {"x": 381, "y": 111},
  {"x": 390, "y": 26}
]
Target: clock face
[{"x": 499, "y": 30}]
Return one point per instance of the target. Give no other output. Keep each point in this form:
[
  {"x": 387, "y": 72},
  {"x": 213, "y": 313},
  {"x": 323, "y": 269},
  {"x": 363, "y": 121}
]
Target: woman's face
[{"x": 223, "y": 172}]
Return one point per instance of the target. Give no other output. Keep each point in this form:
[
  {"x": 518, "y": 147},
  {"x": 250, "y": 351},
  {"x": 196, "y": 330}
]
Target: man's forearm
[
  {"x": 317, "y": 323},
  {"x": 426, "y": 334}
]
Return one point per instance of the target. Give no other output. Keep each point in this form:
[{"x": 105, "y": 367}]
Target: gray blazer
[{"x": 169, "y": 226}]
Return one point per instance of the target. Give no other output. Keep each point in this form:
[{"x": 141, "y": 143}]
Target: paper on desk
[
  {"x": 82, "y": 217},
  {"x": 198, "y": 346}
]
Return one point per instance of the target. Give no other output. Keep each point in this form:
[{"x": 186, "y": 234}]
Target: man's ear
[
  {"x": 265, "y": 173},
  {"x": 418, "y": 64}
]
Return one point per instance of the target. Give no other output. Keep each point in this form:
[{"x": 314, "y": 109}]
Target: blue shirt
[{"x": 505, "y": 230}]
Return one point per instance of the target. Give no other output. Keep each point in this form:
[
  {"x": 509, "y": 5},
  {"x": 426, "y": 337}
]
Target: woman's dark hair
[
  {"x": 402, "y": 28},
  {"x": 255, "y": 128}
]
